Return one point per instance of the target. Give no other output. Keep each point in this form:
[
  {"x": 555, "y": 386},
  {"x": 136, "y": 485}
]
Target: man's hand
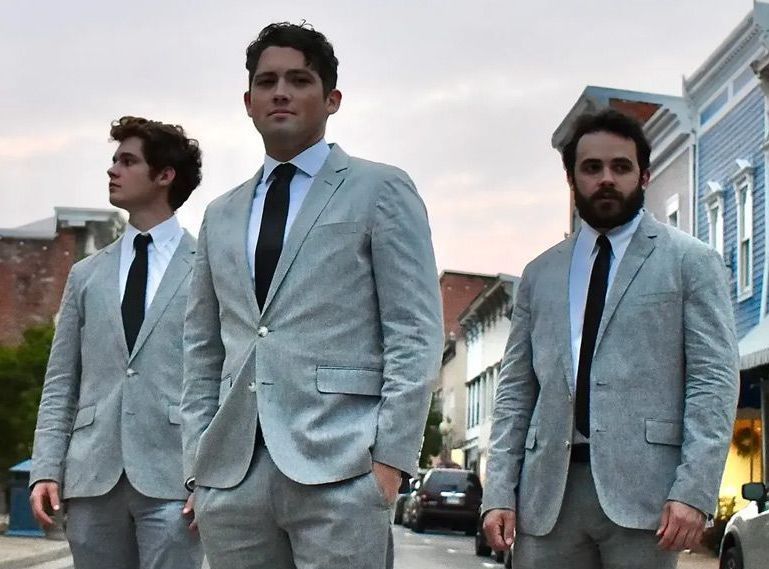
[
  {"x": 499, "y": 527},
  {"x": 45, "y": 497},
  {"x": 681, "y": 526},
  {"x": 389, "y": 480},
  {"x": 188, "y": 511}
]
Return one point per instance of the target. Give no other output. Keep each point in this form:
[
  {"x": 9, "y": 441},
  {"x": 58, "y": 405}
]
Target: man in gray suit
[
  {"x": 313, "y": 334},
  {"x": 618, "y": 388},
  {"x": 108, "y": 436}
]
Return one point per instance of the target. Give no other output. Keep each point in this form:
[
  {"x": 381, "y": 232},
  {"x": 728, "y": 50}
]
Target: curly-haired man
[{"x": 108, "y": 440}]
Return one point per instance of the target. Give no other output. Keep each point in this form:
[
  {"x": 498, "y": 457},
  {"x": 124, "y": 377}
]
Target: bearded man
[{"x": 618, "y": 387}]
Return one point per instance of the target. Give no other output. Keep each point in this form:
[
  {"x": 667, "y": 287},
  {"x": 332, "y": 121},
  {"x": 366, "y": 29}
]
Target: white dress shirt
[
  {"x": 166, "y": 237},
  {"x": 308, "y": 164},
  {"x": 582, "y": 259}
]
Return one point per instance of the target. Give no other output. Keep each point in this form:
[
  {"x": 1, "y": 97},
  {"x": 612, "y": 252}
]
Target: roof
[
  {"x": 595, "y": 98},
  {"x": 63, "y": 217},
  {"x": 493, "y": 296},
  {"x": 754, "y": 346}
]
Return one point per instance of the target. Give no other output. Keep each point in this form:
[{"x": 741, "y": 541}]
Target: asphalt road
[{"x": 437, "y": 550}]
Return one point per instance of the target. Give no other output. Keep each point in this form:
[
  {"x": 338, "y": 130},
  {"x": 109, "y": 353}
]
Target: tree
[
  {"x": 432, "y": 442},
  {"x": 22, "y": 371}
]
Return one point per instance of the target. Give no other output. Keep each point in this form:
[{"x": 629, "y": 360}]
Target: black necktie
[
  {"x": 596, "y": 298},
  {"x": 135, "y": 293},
  {"x": 271, "y": 231}
]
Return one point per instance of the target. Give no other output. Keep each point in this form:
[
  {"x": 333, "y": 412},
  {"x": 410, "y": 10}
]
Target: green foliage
[
  {"x": 22, "y": 370},
  {"x": 431, "y": 446}
]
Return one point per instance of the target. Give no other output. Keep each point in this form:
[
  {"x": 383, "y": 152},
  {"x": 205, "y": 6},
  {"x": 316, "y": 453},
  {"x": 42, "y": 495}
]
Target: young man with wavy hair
[{"x": 108, "y": 440}]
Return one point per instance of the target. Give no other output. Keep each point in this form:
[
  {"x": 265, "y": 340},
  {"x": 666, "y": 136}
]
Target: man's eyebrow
[
  {"x": 122, "y": 155},
  {"x": 296, "y": 71}
]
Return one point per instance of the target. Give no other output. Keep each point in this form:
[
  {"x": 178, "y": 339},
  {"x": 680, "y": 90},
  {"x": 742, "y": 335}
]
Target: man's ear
[
  {"x": 645, "y": 176},
  {"x": 333, "y": 100},
  {"x": 570, "y": 181},
  {"x": 166, "y": 176},
  {"x": 247, "y": 102}
]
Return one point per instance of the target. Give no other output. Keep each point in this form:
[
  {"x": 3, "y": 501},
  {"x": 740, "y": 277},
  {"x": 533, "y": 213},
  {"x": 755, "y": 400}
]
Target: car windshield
[{"x": 447, "y": 481}]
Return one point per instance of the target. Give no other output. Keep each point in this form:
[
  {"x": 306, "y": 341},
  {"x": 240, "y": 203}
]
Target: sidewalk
[
  {"x": 697, "y": 561},
  {"x": 21, "y": 552}
]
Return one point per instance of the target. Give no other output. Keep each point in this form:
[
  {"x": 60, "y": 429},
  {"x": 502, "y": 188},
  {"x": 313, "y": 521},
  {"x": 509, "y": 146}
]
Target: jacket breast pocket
[
  {"x": 350, "y": 381},
  {"x": 84, "y": 417},
  {"x": 664, "y": 432},
  {"x": 332, "y": 229},
  {"x": 657, "y": 298}
]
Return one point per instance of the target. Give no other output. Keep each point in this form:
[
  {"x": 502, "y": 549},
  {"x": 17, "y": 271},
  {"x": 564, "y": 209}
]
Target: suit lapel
[
  {"x": 109, "y": 287},
  {"x": 240, "y": 215},
  {"x": 561, "y": 307},
  {"x": 178, "y": 268},
  {"x": 641, "y": 245},
  {"x": 323, "y": 187}
]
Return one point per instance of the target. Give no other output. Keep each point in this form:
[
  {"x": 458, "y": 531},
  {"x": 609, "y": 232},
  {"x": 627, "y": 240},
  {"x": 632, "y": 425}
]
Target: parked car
[
  {"x": 446, "y": 497},
  {"x": 745, "y": 544}
]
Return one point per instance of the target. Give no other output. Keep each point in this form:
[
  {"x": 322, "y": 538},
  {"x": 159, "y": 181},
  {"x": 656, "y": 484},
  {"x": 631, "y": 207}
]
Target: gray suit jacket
[
  {"x": 338, "y": 367},
  {"x": 663, "y": 385},
  {"x": 104, "y": 411}
]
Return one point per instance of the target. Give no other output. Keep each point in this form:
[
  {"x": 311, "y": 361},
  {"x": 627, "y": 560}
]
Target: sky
[{"x": 463, "y": 95}]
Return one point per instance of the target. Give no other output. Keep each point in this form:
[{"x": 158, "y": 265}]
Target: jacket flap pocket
[
  {"x": 664, "y": 432},
  {"x": 353, "y": 381},
  {"x": 657, "y": 297},
  {"x": 85, "y": 417},
  {"x": 531, "y": 438},
  {"x": 174, "y": 416}
]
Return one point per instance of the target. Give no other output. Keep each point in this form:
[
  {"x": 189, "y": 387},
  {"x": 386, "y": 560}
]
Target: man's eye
[
  {"x": 591, "y": 168},
  {"x": 263, "y": 82}
]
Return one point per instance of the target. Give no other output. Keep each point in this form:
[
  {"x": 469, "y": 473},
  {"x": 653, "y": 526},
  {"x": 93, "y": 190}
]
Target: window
[
  {"x": 718, "y": 102},
  {"x": 714, "y": 207},
  {"x": 743, "y": 194},
  {"x": 671, "y": 210}
]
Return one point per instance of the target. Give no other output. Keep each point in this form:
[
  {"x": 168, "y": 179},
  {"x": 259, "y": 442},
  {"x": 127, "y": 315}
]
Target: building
[
  {"x": 486, "y": 326},
  {"x": 458, "y": 290},
  {"x": 35, "y": 260}
]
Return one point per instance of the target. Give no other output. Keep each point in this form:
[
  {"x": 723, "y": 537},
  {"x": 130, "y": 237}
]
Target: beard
[{"x": 599, "y": 216}]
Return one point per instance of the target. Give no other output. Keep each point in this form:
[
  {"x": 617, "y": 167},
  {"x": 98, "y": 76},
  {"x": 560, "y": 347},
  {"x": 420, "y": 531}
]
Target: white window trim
[
  {"x": 744, "y": 178},
  {"x": 734, "y": 98},
  {"x": 714, "y": 198},
  {"x": 672, "y": 205}
]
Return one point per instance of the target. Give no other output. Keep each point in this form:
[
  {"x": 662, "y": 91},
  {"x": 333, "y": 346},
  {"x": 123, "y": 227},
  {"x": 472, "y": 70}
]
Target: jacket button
[
  {"x": 252, "y": 386},
  {"x": 262, "y": 331},
  {"x": 567, "y": 444},
  {"x": 131, "y": 372}
]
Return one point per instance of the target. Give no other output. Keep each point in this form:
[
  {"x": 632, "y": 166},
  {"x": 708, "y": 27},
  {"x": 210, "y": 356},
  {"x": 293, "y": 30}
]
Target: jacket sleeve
[
  {"x": 712, "y": 376},
  {"x": 516, "y": 396},
  {"x": 410, "y": 311},
  {"x": 58, "y": 403},
  {"x": 203, "y": 355}
]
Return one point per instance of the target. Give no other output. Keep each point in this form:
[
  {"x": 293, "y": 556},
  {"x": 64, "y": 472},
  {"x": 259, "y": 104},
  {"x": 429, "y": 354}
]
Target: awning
[{"x": 754, "y": 346}]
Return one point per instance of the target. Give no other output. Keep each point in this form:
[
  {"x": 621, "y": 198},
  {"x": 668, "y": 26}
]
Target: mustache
[{"x": 607, "y": 193}]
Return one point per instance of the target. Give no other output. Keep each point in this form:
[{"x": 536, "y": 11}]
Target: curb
[{"x": 37, "y": 558}]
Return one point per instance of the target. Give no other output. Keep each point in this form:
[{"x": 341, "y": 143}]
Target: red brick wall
[
  {"x": 33, "y": 273},
  {"x": 458, "y": 291}
]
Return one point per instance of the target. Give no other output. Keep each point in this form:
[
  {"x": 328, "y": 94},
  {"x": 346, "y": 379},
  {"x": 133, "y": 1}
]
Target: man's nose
[
  {"x": 607, "y": 176},
  {"x": 111, "y": 171},
  {"x": 281, "y": 90}
]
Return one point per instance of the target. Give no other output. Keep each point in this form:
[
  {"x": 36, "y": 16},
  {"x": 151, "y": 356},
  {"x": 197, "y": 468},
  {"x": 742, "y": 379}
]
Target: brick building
[{"x": 35, "y": 260}]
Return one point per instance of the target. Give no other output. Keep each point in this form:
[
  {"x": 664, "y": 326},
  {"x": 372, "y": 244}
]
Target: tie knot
[
  {"x": 284, "y": 172},
  {"x": 603, "y": 243},
  {"x": 141, "y": 242}
]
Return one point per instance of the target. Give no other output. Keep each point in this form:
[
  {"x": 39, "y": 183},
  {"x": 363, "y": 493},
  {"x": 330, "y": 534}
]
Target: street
[{"x": 438, "y": 550}]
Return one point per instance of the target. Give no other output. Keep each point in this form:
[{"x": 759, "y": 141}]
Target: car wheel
[
  {"x": 398, "y": 517},
  {"x": 481, "y": 548},
  {"x": 471, "y": 530},
  {"x": 419, "y": 524},
  {"x": 732, "y": 559},
  {"x": 509, "y": 559},
  {"x": 499, "y": 556}
]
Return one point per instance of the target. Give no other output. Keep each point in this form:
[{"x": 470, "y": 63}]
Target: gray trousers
[
  {"x": 585, "y": 538},
  {"x": 126, "y": 530},
  {"x": 269, "y": 521}
]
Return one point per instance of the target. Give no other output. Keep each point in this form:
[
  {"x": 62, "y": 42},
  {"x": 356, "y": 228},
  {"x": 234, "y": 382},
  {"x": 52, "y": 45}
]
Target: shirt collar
[
  {"x": 309, "y": 161},
  {"x": 162, "y": 234},
  {"x": 619, "y": 237}
]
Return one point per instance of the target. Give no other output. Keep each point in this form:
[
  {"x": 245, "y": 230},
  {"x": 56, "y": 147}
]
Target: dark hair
[
  {"x": 607, "y": 120},
  {"x": 164, "y": 146},
  {"x": 318, "y": 51}
]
